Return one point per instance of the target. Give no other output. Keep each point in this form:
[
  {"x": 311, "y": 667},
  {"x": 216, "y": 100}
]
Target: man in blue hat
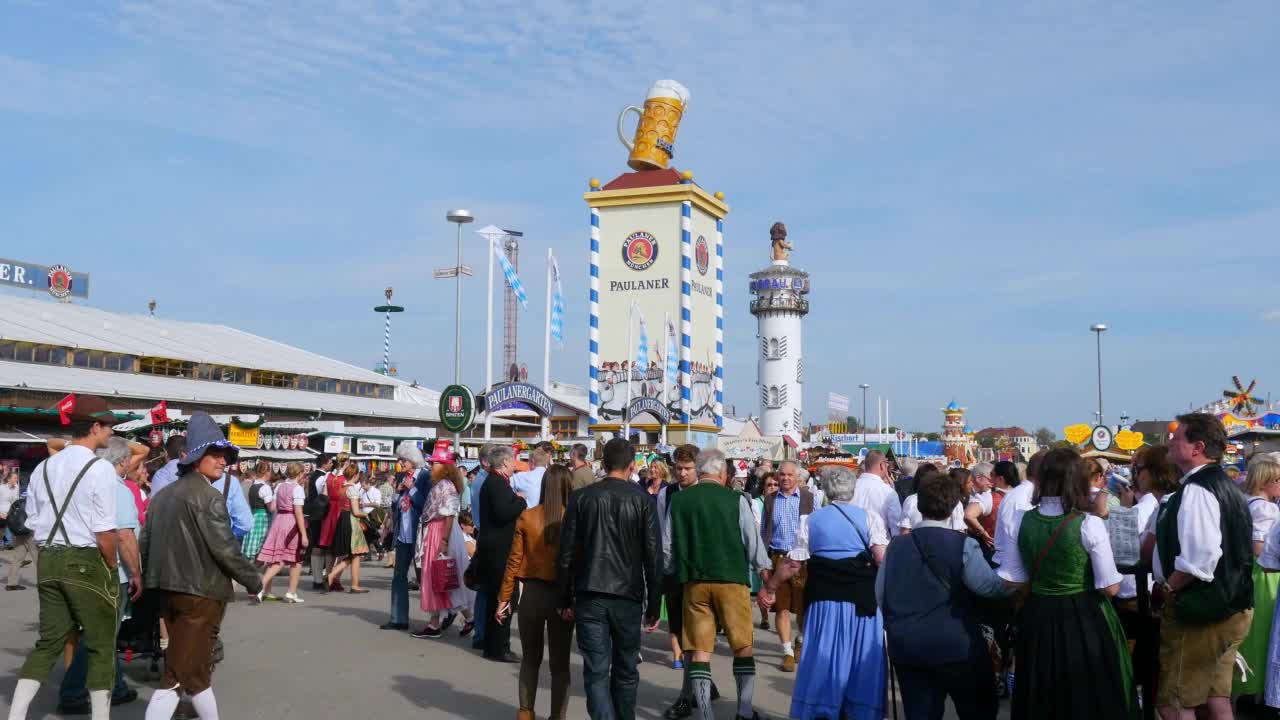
[{"x": 189, "y": 559}]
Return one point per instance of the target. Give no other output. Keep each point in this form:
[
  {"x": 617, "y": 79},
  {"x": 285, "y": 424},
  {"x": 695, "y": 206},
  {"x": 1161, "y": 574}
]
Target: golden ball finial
[
  {"x": 720, "y": 195},
  {"x": 594, "y": 183},
  {"x": 686, "y": 175}
]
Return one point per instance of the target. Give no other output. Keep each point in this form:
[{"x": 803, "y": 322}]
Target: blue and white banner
[
  {"x": 517, "y": 287},
  {"x": 642, "y": 350},
  {"x": 673, "y": 355},
  {"x": 557, "y": 304}
]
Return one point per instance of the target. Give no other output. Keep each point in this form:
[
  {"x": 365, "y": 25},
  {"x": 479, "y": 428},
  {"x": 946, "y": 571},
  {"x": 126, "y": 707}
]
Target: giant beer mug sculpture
[{"x": 655, "y": 136}]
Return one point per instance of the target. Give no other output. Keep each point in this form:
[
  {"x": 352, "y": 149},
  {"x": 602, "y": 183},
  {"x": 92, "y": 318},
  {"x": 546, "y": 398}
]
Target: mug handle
[{"x": 621, "y": 116}]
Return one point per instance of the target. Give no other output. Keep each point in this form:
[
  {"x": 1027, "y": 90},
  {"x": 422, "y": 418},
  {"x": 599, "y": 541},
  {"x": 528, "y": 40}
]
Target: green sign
[{"x": 457, "y": 408}]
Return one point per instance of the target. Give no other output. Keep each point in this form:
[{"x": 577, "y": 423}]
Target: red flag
[
  {"x": 160, "y": 413},
  {"x": 66, "y": 406}
]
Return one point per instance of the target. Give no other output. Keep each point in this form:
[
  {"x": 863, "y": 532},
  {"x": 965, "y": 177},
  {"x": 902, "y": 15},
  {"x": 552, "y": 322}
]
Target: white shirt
[
  {"x": 92, "y": 508},
  {"x": 1270, "y": 557},
  {"x": 983, "y": 499},
  {"x": 370, "y": 499},
  {"x": 528, "y": 484},
  {"x": 265, "y": 493},
  {"x": 1147, "y": 505},
  {"x": 7, "y": 497},
  {"x": 877, "y": 535},
  {"x": 1264, "y": 514},
  {"x": 1199, "y": 534},
  {"x": 1093, "y": 535},
  {"x": 1009, "y": 518},
  {"x": 873, "y": 494},
  {"x": 911, "y": 516}
]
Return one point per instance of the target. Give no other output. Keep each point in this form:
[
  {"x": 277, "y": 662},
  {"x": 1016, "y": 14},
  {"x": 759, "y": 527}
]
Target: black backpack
[{"x": 17, "y": 519}]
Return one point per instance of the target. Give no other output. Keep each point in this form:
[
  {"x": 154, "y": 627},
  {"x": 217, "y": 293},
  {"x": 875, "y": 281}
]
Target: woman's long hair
[
  {"x": 451, "y": 473},
  {"x": 557, "y": 483},
  {"x": 1062, "y": 474}
]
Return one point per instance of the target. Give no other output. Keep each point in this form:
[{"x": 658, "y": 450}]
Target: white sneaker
[{"x": 292, "y": 598}]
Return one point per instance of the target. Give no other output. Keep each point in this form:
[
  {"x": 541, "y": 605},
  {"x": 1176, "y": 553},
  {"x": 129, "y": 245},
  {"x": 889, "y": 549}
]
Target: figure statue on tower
[{"x": 778, "y": 238}]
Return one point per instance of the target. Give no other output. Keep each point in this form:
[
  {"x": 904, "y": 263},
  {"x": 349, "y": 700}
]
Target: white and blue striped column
[
  {"x": 719, "y": 376},
  {"x": 386, "y": 347},
  {"x": 593, "y": 345},
  {"x": 686, "y": 311}
]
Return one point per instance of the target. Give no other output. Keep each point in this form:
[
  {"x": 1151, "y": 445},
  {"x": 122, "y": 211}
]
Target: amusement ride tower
[{"x": 779, "y": 305}]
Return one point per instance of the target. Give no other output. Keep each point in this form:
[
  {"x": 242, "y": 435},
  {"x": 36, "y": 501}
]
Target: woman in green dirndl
[{"x": 1073, "y": 659}]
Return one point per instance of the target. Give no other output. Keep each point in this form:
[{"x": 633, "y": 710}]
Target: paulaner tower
[{"x": 780, "y": 306}]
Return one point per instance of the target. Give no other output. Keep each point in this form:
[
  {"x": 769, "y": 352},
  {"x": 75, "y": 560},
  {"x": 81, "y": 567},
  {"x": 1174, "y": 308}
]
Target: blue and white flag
[
  {"x": 517, "y": 287},
  {"x": 642, "y": 351},
  {"x": 673, "y": 359},
  {"x": 557, "y": 304}
]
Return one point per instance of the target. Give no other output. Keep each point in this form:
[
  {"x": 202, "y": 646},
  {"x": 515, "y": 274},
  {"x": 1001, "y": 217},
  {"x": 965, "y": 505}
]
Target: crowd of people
[{"x": 897, "y": 579}]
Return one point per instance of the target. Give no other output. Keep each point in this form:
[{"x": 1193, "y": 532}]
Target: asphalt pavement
[{"x": 328, "y": 659}]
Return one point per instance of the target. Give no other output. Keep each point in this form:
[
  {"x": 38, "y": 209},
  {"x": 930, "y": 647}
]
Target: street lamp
[
  {"x": 1097, "y": 329},
  {"x": 458, "y": 217},
  {"x": 864, "y": 387}
]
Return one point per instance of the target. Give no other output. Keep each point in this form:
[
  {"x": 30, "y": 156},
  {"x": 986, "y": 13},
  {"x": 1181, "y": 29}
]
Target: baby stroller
[{"x": 139, "y": 635}]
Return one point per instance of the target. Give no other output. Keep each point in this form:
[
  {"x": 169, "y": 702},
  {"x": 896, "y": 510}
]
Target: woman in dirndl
[
  {"x": 842, "y": 665},
  {"x": 440, "y": 538},
  {"x": 288, "y": 536},
  {"x": 262, "y": 503},
  {"x": 338, "y": 529},
  {"x": 1073, "y": 658},
  {"x": 1259, "y": 649}
]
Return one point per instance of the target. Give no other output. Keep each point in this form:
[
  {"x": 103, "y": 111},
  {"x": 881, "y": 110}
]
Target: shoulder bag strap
[
  {"x": 66, "y": 502},
  {"x": 1035, "y": 569},
  {"x": 866, "y": 542},
  {"x": 932, "y": 563},
  {"x": 226, "y": 485}
]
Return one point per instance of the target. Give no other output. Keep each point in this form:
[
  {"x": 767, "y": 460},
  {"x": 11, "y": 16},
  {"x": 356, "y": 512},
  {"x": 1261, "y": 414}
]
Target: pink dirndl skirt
[
  {"x": 433, "y": 599},
  {"x": 283, "y": 543}
]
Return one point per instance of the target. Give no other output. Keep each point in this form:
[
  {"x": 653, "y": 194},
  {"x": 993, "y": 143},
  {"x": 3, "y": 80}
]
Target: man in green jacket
[{"x": 715, "y": 547}]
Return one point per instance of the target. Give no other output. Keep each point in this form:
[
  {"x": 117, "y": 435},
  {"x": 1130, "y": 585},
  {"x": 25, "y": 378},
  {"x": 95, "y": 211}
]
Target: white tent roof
[
  {"x": 410, "y": 403},
  {"x": 78, "y": 326}
]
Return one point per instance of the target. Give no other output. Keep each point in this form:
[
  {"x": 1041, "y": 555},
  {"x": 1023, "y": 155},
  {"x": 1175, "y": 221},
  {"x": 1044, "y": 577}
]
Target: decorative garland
[{"x": 246, "y": 424}]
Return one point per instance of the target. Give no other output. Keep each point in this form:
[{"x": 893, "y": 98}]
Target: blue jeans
[
  {"x": 400, "y": 583},
  {"x": 73, "y": 691},
  {"x": 609, "y": 634},
  {"x": 482, "y": 611}
]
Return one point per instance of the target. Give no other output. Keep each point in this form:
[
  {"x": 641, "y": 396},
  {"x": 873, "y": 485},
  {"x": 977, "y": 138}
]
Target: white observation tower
[{"x": 779, "y": 305}]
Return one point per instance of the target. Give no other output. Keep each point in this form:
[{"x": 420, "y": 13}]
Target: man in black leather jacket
[
  {"x": 607, "y": 572},
  {"x": 189, "y": 558}
]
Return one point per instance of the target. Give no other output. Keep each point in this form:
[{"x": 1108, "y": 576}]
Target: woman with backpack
[{"x": 13, "y": 516}]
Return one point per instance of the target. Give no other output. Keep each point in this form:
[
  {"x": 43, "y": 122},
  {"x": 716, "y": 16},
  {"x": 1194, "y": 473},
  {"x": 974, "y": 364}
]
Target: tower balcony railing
[{"x": 781, "y": 302}]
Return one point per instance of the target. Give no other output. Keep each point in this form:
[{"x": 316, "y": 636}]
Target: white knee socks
[
  {"x": 99, "y": 704},
  {"x": 163, "y": 702},
  {"x": 23, "y": 694},
  {"x": 206, "y": 705}
]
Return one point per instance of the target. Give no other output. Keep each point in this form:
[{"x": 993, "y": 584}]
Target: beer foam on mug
[{"x": 669, "y": 89}]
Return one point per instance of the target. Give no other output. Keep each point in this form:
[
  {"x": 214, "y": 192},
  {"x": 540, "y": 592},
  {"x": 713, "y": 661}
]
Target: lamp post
[
  {"x": 1097, "y": 329},
  {"x": 458, "y": 217},
  {"x": 864, "y": 387},
  {"x": 386, "y": 334}
]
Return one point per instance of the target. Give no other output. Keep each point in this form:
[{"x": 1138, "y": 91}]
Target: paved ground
[{"x": 327, "y": 658}]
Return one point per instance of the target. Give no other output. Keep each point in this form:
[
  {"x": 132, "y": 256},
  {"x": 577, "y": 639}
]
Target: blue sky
[{"x": 971, "y": 184}]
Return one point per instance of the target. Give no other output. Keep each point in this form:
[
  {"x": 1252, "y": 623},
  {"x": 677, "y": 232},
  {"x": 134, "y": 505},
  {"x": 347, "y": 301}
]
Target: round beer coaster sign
[
  {"x": 640, "y": 250},
  {"x": 457, "y": 408}
]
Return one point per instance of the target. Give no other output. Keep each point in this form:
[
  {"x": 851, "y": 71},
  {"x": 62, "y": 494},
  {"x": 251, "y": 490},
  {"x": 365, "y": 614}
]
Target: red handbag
[{"x": 444, "y": 574}]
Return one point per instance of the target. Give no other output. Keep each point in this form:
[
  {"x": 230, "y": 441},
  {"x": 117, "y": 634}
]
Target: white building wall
[{"x": 779, "y": 358}]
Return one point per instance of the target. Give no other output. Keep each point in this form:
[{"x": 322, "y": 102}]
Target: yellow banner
[{"x": 242, "y": 436}]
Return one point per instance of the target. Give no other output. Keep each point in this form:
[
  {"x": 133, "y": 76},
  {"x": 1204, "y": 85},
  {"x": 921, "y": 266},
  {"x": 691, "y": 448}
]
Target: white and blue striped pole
[
  {"x": 593, "y": 333},
  {"x": 686, "y": 311},
  {"x": 719, "y": 376},
  {"x": 386, "y": 335}
]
